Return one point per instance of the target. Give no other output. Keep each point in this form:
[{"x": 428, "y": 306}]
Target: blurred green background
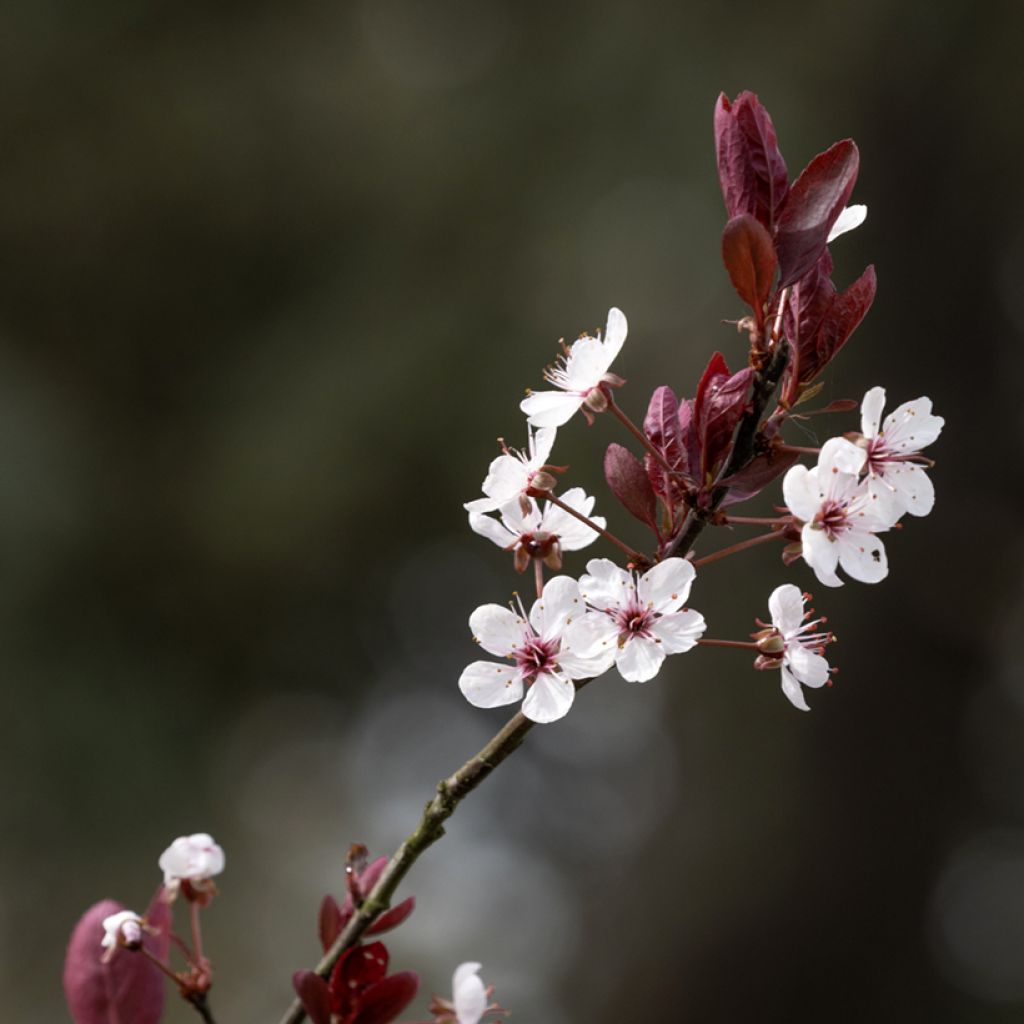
[{"x": 273, "y": 279}]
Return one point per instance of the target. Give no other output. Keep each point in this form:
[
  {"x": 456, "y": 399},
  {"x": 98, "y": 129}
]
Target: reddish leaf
[
  {"x": 127, "y": 988},
  {"x": 392, "y": 918},
  {"x": 629, "y": 483},
  {"x": 749, "y": 256},
  {"x": 751, "y": 170},
  {"x": 314, "y": 995},
  {"x": 331, "y": 921},
  {"x": 759, "y": 473},
  {"x": 358, "y": 969},
  {"x": 814, "y": 202},
  {"x": 383, "y": 1002},
  {"x": 690, "y": 438},
  {"x": 720, "y": 402},
  {"x": 661, "y": 425},
  {"x": 844, "y": 316}
]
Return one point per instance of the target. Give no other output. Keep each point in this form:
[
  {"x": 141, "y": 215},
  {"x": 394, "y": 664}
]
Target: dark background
[{"x": 272, "y": 278}]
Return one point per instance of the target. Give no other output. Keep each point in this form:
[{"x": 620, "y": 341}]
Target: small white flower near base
[
  {"x": 840, "y": 515},
  {"x": 641, "y": 619},
  {"x": 121, "y": 929},
  {"x": 543, "y": 651},
  {"x": 800, "y": 660},
  {"x": 470, "y": 1001},
  {"x": 195, "y": 858},
  {"x": 512, "y": 473},
  {"x": 894, "y": 464},
  {"x": 578, "y": 374}
]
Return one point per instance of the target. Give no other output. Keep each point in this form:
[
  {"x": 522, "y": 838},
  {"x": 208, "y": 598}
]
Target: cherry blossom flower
[
  {"x": 513, "y": 472},
  {"x": 537, "y": 533},
  {"x": 470, "y": 1000},
  {"x": 121, "y": 929},
  {"x": 193, "y": 859},
  {"x": 642, "y": 619},
  {"x": 851, "y": 217},
  {"x": 894, "y": 467},
  {"x": 792, "y": 645},
  {"x": 542, "y": 649},
  {"x": 579, "y": 375},
  {"x": 839, "y": 514}
]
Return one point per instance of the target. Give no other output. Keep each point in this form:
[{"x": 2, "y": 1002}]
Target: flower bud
[{"x": 122, "y": 929}]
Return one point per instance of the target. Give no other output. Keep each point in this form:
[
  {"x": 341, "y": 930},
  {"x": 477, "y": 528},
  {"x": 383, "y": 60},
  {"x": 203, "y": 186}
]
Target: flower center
[
  {"x": 633, "y": 620},
  {"x": 833, "y": 518},
  {"x": 536, "y": 657}
]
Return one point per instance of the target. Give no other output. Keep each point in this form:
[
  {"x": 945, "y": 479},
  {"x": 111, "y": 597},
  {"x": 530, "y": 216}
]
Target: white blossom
[
  {"x": 579, "y": 372},
  {"x": 511, "y": 474},
  {"x": 641, "y": 619},
  {"x": 469, "y": 995},
  {"x": 194, "y": 858},
  {"x": 542, "y": 649},
  {"x": 540, "y": 533},
  {"x": 121, "y": 929},
  {"x": 851, "y": 217},
  {"x": 893, "y": 464},
  {"x": 802, "y": 663},
  {"x": 840, "y": 515}
]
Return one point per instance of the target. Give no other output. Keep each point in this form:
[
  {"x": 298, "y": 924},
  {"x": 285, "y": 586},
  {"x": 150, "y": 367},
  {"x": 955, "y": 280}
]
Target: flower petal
[
  {"x": 679, "y": 631},
  {"x": 488, "y": 684},
  {"x": 807, "y": 667},
  {"x": 469, "y": 996},
  {"x": 786, "y": 606},
  {"x": 821, "y": 554},
  {"x": 839, "y": 455},
  {"x": 666, "y": 587},
  {"x": 559, "y": 602},
  {"x": 912, "y": 486},
  {"x": 605, "y": 585},
  {"x": 800, "y": 492},
  {"x": 871, "y": 412},
  {"x": 863, "y": 556},
  {"x": 849, "y": 218},
  {"x": 586, "y": 364},
  {"x": 639, "y": 660},
  {"x": 550, "y": 408},
  {"x": 498, "y": 630},
  {"x": 911, "y": 426},
  {"x": 540, "y": 444},
  {"x": 591, "y": 636},
  {"x": 548, "y": 699},
  {"x": 489, "y": 527},
  {"x": 614, "y": 334},
  {"x": 791, "y": 688}
]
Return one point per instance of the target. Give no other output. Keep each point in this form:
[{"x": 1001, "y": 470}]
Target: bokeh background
[{"x": 272, "y": 279}]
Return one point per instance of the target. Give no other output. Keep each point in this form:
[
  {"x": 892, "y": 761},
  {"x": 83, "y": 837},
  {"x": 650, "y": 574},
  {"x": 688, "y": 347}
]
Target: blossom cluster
[{"x": 704, "y": 455}]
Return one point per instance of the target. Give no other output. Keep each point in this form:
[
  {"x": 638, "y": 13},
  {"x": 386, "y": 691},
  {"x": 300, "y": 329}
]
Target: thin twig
[
  {"x": 202, "y": 1006},
  {"x": 736, "y": 548}
]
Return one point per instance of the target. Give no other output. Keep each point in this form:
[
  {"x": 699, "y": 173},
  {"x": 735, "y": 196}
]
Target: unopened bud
[{"x": 122, "y": 929}]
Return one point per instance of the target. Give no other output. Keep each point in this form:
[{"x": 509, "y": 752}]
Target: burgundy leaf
[
  {"x": 384, "y": 1001},
  {"x": 814, "y": 202},
  {"x": 751, "y": 170},
  {"x": 690, "y": 437},
  {"x": 758, "y": 474},
  {"x": 661, "y": 425},
  {"x": 749, "y": 256},
  {"x": 127, "y": 988},
  {"x": 314, "y": 995},
  {"x": 629, "y": 483},
  {"x": 724, "y": 406},
  {"x": 331, "y": 922},
  {"x": 367, "y": 879},
  {"x": 358, "y": 969},
  {"x": 844, "y": 316},
  {"x": 392, "y": 918}
]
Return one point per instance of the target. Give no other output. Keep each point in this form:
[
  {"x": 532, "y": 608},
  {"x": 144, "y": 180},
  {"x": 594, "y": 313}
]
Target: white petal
[
  {"x": 911, "y": 426},
  {"x": 639, "y": 660},
  {"x": 863, "y": 556},
  {"x": 851, "y": 217},
  {"x": 586, "y": 364},
  {"x": 506, "y": 479},
  {"x": 614, "y": 334},
  {"x": 871, "y": 412},
  {"x": 791, "y": 688},
  {"x": 605, "y": 585},
  {"x": 912, "y": 486},
  {"x": 800, "y": 492},
  {"x": 498, "y": 630},
  {"x": 488, "y": 684},
  {"x": 550, "y": 408},
  {"x": 592, "y": 635},
  {"x": 666, "y": 587},
  {"x": 489, "y": 527},
  {"x": 838, "y": 454},
  {"x": 809, "y": 668},
  {"x": 469, "y": 997},
  {"x": 548, "y": 699},
  {"x": 886, "y": 504},
  {"x": 515, "y": 521},
  {"x": 541, "y": 443},
  {"x": 821, "y": 554},
  {"x": 559, "y": 602},
  {"x": 679, "y": 631},
  {"x": 577, "y": 667},
  {"x": 786, "y": 606},
  {"x": 572, "y": 534}
]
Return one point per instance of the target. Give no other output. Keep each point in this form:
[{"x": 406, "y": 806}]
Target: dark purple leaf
[
  {"x": 758, "y": 474},
  {"x": 751, "y": 170},
  {"x": 392, "y": 918},
  {"x": 384, "y": 1001},
  {"x": 127, "y": 988},
  {"x": 331, "y": 921},
  {"x": 358, "y": 969},
  {"x": 690, "y": 438},
  {"x": 749, "y": 256},
  {"x": 661, "y": 425},
  {"x": 814, "y": 202},
  {"x": 720, "y": 403},
  {"x": 629, "y": 483},
  {"x": 314, "y": 995},
  {"x": 845, "y": 315}
]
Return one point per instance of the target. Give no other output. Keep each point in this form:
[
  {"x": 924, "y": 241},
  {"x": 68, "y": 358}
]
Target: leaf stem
[
  {"x": 616, "y": 409},
  {"x": 634, "y": 556},
  {"x": 736, "y": 548}
]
